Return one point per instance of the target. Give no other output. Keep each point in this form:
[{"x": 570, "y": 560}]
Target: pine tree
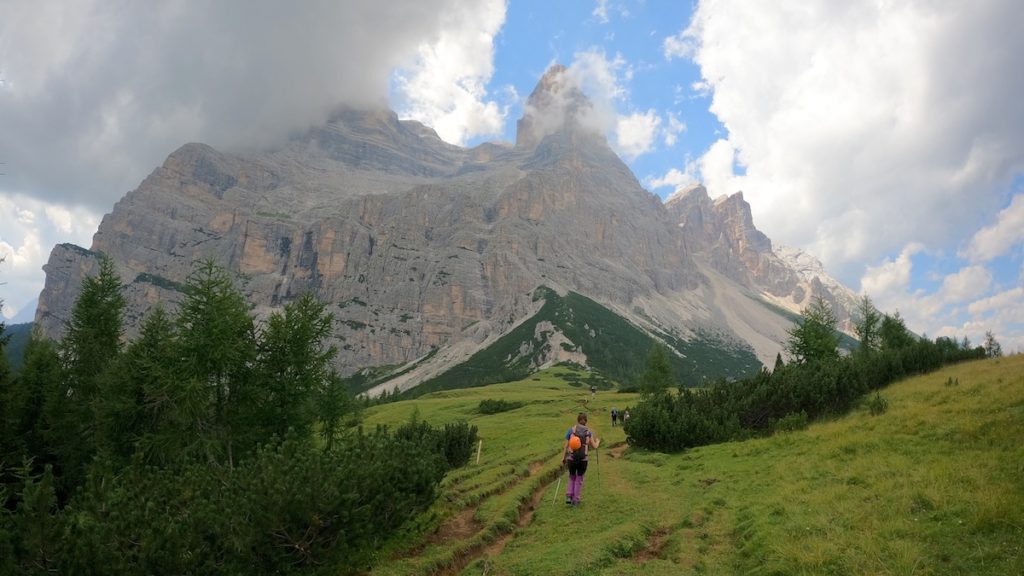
[
  {"x": 294, "y": 365},
  {"x": 657, "y": 375},
  {"x": 869, "y": 322},
  {"x": 779, "y": 364},
  {"x": 148, "y": 407},
  {"x": 893, "y": 334},
  {"x": 218, "y": 348},
  {"x": 38, "y": 379},
  {"x": 333, "y": 404},
  {"x": 90, "y": 346},
  {"x": 814, "y": 338},
  {"x": 7, "y": 390}
]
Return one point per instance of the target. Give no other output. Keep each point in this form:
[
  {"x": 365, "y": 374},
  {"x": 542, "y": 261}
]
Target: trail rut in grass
[
  {"x": 461, "y": 526},
  {"x": 526, "y": 511},
  {"x": 616, "y": 450}
]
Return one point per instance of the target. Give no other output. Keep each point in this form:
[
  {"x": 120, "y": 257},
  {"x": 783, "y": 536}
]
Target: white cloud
[
  {"x": 108, "y": 88},
  {"x": 966, "y": 284},
  {"x": 601, "y": 78},
  {"x": 675, "y": 178},
  {"x": 26, "y": 241},
  {"x": 716, "y": 169},
  {"x": 846, "y": 115},
  {"x": 636, "y": 133},
  {"x": 603, "y": 81},
  {"x": 678, "y": 46},
  {"x": 445, "y": 87},
  {"x": 673, "y": 130},
  {"x": 998, "y": 302},
  {"x": 888, "y": 282},
  {"x": 995, "y": 240},
  {"x": 604, "y": 10}
]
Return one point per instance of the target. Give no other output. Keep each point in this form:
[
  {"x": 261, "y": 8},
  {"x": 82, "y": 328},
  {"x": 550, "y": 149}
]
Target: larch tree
[{"x": 814, "y": 337}]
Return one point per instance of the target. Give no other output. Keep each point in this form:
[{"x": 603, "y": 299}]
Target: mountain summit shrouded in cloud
[
  {"x": 557, "y": 103},
  {"x": 886, "y": 139},
  {"x": 111, "y": 88},
  {"x": 94, "y": 94}
]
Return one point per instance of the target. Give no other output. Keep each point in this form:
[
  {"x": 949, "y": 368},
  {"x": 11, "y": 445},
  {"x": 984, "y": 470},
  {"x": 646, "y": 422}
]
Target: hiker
[
  {"x": 625, "y": 416},
  {"x": 578, "y": 442},
  {"x": 615, "y": 417},
  {"x": 593, "y": 391}
]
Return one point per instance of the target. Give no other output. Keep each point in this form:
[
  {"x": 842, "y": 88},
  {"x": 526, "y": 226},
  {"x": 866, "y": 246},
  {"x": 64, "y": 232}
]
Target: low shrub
[
  {"x": 791, "y": 422},
  {"x": 491, "y": 406},
  {"x": 877, "y": 405}
]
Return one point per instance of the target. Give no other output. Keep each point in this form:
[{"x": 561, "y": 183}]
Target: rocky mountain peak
[
  {"x": 691, "y": 193},
  {"x": 556, "y": 105}
]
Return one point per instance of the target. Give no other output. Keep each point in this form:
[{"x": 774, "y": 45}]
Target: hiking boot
[{"x": 568, "y": 500}]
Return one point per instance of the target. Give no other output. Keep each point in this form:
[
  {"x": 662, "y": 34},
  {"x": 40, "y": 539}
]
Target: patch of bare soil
[
  {"x": 462, "y": 525},
  {"x": 616, "y": 450},
  {"x": 535, "y": 467},
  {"x": 655, "y": 542}
]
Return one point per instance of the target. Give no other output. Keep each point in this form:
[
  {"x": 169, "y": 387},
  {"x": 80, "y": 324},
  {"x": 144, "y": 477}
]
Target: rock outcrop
[{"x": 722, "y": 232}]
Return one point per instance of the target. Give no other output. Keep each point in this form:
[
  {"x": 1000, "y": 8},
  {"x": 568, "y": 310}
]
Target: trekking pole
[
  {"x": 599, "y": 469},
  {"x": 557, "y": 486}
]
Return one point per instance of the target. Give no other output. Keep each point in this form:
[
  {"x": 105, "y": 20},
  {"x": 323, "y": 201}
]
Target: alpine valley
[{"x": 446, "y": 267}]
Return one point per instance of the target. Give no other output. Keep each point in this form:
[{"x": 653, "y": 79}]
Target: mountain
[
  {"x": 432, "y": 254},
  {"x": 26, "y": 313}
]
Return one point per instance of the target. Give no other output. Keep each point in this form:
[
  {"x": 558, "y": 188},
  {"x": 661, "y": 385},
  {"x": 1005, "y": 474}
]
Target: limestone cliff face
[
  {"x": 418, "y": 244},
  {"x": 422, "y": 247},
  {"x": 722, "y": 231}
]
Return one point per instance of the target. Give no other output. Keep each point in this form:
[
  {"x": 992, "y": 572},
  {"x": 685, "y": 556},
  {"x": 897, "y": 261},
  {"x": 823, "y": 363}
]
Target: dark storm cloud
[{"x": 95, "y": 94}]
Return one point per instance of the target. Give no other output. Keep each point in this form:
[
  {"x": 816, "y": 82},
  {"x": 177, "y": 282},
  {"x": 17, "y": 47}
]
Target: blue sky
[{"x": 886, "y": 139}]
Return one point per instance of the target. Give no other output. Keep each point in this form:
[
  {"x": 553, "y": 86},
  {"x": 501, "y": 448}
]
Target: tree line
[
  {"x": 212, "y": 443},
  {"x": 818, "y": 381}
]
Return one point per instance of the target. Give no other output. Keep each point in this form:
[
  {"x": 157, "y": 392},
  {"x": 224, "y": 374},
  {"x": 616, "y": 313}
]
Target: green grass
[
  {"x": 934, "y": 485},
  {"x": 160, "y": 281}
]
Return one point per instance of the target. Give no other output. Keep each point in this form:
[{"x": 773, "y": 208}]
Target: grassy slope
[{"x": 933, "y": 486}]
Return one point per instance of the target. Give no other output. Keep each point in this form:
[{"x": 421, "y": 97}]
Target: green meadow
[{"x": 934, "y": 485}]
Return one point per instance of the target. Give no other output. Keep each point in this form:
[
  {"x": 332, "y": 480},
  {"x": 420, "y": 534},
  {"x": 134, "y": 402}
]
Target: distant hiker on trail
[
  {"x": 615, "y": 417},
  {"x": 593, "y": 390},
  {"x": 625, "y": 416},
  {"x": 578, "y": 442}
]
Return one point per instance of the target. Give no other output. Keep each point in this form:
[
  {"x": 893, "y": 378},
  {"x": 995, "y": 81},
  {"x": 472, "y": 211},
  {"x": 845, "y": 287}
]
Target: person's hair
[{"x": 582, "y": 418}]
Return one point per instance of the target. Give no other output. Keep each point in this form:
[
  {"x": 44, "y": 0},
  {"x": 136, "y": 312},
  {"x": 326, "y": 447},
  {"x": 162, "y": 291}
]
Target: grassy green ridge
[
  {"x": 935, "y": 485},
  {"x": 15, "y": 348},
  {"x": 613, "y": 346}
]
